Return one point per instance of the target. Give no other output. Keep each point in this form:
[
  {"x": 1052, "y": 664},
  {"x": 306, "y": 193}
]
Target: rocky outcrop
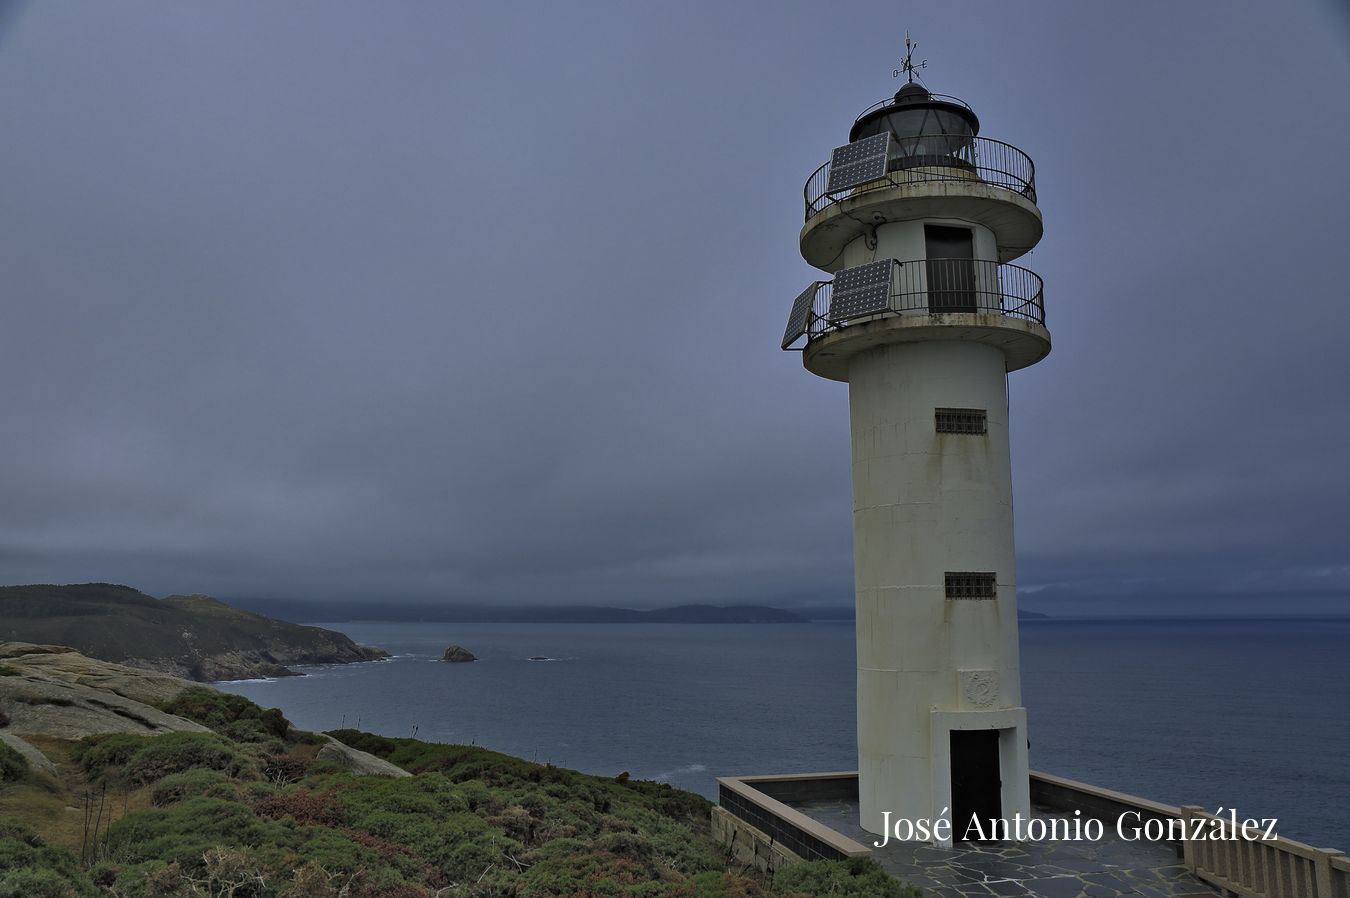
[
  {"x": 458, "y": 654},
  {"x": 36, "y": 760},
  {"x": 55, "y": 691},
  {"x": 66, "y": 665},
  {"x": 359, "y": 762}
]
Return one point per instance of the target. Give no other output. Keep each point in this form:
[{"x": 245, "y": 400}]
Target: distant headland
[
  {"x": 345, "y": 611},
  {"x": 194, "y": 637},
  {"x": 339, "y": 611}
]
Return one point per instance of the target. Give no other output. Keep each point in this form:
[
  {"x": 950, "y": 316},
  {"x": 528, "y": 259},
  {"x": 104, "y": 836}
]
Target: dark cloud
[{"x": 481, "y": 303}]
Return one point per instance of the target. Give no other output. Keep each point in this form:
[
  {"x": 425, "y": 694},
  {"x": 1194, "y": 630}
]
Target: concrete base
[
  {"x": 819, "y": 812},
  {"x": 749, "y": 845}
]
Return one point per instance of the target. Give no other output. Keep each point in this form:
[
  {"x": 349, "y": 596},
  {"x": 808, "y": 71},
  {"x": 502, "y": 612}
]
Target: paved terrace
[{"x": 1104, "y": 869}]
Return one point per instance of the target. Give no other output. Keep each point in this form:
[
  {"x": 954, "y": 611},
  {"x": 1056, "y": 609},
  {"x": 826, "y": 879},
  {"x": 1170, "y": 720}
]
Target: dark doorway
[
  {"x": 976, "y": 784},
  {"x": 951, "y": 268}
]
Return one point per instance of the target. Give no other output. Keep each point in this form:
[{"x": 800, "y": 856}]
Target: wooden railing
[{"x": 1252, "y": 867}]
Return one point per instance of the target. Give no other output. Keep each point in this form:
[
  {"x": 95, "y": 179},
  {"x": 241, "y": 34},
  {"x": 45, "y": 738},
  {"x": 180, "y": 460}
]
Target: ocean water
[{"x": 1252, "y": 715}]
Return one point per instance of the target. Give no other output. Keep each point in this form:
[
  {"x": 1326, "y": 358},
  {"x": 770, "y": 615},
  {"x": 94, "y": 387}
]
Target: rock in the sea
[
  {"x": 359, "y": 762},
  {"x": 458, "y": 653},
  {"x": 55, "y": 691}
]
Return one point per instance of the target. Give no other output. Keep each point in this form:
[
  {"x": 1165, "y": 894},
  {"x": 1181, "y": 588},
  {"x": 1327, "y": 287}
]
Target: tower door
[
  {"x": 976, "y": 784},
  {"x": 951, "y": 268}
]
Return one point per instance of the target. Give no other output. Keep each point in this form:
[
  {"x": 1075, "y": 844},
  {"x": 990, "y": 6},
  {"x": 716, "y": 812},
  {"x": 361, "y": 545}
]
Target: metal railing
[
  {"x": 915, "y": 160},
  {"x": 937, "y": 287},
  {"x": 890, "y": 101}
]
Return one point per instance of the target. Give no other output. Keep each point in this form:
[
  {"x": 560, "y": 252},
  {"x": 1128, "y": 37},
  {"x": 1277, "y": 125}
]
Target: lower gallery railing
[{"x": 1249, "y": 867}]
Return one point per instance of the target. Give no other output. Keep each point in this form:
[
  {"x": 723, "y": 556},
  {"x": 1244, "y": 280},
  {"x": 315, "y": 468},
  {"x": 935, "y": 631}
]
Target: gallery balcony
[
  {"x": 973, "y": 178},
  {"x": 925, "y": 299}
]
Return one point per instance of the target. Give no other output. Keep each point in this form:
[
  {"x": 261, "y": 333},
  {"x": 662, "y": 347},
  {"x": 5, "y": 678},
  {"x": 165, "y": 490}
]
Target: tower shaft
[{"x": 928, "y": 505}]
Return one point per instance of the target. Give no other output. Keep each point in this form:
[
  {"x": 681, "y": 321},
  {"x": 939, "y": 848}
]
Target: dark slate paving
[{"x": 1110, "y": 868}]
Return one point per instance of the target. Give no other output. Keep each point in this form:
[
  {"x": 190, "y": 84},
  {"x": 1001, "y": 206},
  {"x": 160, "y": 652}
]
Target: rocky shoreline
[{"x": 253, "y": 665}]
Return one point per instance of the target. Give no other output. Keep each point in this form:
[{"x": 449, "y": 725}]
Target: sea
[{"x": 1252, "y": 715}]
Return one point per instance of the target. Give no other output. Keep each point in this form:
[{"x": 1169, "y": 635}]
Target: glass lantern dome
[{"x": 926, "y": 129}]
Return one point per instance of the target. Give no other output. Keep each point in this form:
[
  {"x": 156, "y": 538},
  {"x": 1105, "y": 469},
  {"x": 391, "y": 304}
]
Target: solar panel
[
  {"x": 859, "y": 162},
  {"x": 799, "y": 318},
  {"x": 864, "y": 290}
]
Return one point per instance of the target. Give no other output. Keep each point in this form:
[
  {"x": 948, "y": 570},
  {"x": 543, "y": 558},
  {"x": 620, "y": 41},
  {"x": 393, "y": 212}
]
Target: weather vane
[{"x": 909, "y": 65}]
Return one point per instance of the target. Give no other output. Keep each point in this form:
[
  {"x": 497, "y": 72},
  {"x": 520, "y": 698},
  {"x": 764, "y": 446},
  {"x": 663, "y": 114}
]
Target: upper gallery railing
[
  {"x": 890, "y": 101},
  {"x": 913, "y": 161}
]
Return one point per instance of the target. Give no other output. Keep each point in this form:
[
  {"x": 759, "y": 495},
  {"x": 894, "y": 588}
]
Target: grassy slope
[
  {"x": 248, "y": 804},
  {"x": 117, "y": 623}
]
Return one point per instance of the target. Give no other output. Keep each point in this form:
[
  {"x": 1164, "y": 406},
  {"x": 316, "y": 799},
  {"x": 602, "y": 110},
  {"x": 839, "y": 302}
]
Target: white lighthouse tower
[{"x": 918, "y": 218}]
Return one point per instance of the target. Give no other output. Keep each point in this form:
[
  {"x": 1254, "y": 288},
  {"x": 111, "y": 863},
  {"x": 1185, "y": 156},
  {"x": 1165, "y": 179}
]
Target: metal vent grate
[
  {"x": 961, "y": 420},
  {"x": 968, "y": 585}
]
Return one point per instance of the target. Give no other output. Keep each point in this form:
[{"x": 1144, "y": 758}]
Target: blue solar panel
[
  {"x": 800, "y": 317},
  {"x": 859, "y": 162},
  {"x": 863, "y": 290}
]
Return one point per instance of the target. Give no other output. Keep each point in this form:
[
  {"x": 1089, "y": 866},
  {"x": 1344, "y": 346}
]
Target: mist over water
[{"x": 1247, "y": 714}]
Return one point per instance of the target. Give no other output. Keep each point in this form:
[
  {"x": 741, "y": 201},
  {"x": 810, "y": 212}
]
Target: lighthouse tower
[{"x": 918, "y": 219}]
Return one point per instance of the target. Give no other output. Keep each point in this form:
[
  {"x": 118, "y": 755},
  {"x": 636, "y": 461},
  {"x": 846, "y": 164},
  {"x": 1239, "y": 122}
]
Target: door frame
[
  {"x": 1011, "y": 723},
  {"x": 955, "y": 297}
]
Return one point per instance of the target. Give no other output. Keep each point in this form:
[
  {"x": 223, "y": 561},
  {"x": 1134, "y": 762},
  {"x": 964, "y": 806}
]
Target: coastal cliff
[{"x": 193, "y": 637}]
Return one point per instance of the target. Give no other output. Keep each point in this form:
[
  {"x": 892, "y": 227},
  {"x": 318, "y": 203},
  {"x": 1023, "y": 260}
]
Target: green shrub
[
  {"x": 248, "y": 731},
  {"x": 183, "y": 832},
  {"x": 230, "y": 715},
  {"x": 111, "y": 751},
  {"x": 192, "y": 784},
  {"x": 585, "y": 872},
  {"x": 32, "y": 882},
  {"x": 13, "y": 766},
  {"x": 152, "y": 879},
  {"x": 31, "y": 869},
  {"x": 336, "y": 851},
  {"x": 139, "y": 760},
  {"x": 428, "y": 816},
  {"x": 854, "y": 878},
  {"x": 180, "y": 752}
]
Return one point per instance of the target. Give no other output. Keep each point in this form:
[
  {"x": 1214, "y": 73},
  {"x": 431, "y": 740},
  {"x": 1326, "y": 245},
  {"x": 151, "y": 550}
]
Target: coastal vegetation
[{"x": 237, "y": 802}]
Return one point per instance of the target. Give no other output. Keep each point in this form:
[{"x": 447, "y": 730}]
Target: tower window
[
  {"x": 968, "y": 585},
  {"x": 962, "y": 420}
]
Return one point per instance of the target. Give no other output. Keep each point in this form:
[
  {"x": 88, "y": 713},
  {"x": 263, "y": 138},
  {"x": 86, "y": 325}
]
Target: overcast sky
[{"x": 482, "y": 302}]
